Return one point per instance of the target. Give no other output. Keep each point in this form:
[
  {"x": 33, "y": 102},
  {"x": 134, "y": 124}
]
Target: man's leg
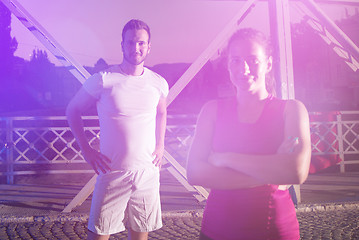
[
  {"x": 94, "y": 236},
  {"x": 109, "y": 203},
  {"x": 133, "y": 235},
  {"x": 144, "y": 206}
]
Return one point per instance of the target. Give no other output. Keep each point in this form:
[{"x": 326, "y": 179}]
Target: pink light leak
[
  {"x": 91, "y": 30},
  {"x": 181, "y": 31}
]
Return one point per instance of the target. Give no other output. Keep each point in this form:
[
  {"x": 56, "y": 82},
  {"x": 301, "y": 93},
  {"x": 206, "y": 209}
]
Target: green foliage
[
  {"x": 322, "y": 79},
  {"x": 8, "y": 45}
]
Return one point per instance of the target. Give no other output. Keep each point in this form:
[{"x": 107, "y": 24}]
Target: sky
[{"x": 181, "y": 29}]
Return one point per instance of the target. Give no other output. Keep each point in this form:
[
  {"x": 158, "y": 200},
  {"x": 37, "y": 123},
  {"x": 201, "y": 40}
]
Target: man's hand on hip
[
  {"x": 158, "y": 154},
  {"x": 97, "y": 160}
]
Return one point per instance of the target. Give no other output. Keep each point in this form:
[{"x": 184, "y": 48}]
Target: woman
[{"x": 248, "y": 148}]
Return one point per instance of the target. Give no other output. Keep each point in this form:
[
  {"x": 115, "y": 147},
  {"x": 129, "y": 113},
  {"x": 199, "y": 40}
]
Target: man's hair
[{"x": 136, "y": 24}]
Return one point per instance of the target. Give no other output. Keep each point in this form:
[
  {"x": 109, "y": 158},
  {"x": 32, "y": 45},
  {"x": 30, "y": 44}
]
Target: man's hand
[
  {"x": 158, "y": 154},
  {"x": 97, "y": 160}
]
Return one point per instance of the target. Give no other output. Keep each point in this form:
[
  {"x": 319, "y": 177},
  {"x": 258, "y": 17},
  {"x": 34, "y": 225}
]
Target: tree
[
  {"x": 41, "y": 81},
  {"x": 100, "y": 65},
  {"x": 322, "y": 79},
  {"x": 40, "y": 57},
  {"x": 8, "y": 44},
  {"x": 310, "y": 62}
]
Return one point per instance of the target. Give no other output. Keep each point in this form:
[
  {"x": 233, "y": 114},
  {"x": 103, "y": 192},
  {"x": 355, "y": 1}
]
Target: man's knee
[
  {"x": 133, "y": 235},
  {"x": 93, "y": 236}
]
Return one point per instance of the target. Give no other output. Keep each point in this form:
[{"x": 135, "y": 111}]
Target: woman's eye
[
  {"x": 236, "y": 60},
  {"x": 253, "y": 61},
  {"x": 249, "y": 61}
]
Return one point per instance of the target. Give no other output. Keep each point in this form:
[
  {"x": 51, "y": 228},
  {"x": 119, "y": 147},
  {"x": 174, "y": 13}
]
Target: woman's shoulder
[
  {"x": 209, "y": 108},
  {"x": 215, "y": 104},
  {"x": 294, "y": 103},
  {"x": 288, "y": 103},
  {"x": 286, "y": 106},
  {"x": 294, "y": 106}
]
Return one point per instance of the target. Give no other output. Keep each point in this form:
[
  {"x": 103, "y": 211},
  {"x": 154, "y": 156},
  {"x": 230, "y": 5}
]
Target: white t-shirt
[{"x": 127, "y": 107}]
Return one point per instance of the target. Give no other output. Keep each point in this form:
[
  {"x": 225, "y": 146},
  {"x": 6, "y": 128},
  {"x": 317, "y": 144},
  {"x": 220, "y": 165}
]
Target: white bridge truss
[
  {"x": 280, "y": 32},
  {"x": 38, "y": 141}
]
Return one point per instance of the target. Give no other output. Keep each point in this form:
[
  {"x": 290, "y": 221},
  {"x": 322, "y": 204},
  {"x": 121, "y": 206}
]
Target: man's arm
[
  {"x": 199, "y": 170},
  {"x": 79, "y": 104},
  {"x": 161, "y": 120}
]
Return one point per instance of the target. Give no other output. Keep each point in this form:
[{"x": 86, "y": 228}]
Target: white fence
[
  {"x": 336, "y": 134},
  {"x": 45, "y": 145}
]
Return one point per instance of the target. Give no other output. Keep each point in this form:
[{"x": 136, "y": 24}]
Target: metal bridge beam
[{"x": 280, "y": 29}]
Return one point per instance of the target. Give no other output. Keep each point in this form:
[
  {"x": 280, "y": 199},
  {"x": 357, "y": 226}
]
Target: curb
[
  {"x": 62, "y": 217},
  {"x": 183, "y": 214},
  {"x": 46, "y": 218},
  {"x": 302, "y": 208}
]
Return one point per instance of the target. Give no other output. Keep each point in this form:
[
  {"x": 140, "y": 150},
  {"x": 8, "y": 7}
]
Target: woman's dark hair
[
  {"x": 252, "y": 35},
  {"x": 259, "y": 37},
  {"x": 136, "y": 24}
]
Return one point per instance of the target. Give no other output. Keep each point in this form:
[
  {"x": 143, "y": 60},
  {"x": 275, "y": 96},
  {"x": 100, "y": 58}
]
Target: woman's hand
[
  {"x": 288, "y": 145},
  {"x": 217, "y": 159}
]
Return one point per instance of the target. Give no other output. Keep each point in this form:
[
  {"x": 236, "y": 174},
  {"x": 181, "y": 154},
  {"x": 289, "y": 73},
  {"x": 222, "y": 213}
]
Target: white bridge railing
[{"x": 37, "y": 145}]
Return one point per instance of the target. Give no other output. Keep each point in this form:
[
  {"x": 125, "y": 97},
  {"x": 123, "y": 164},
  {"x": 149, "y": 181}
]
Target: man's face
[{"x": 135, "y": 46}]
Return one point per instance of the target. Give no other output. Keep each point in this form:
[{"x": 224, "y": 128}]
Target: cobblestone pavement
[
  {"x": 329, "y": 209},
  {"x": 174, "y": 228},
  {"x": 332, "y": 224}
]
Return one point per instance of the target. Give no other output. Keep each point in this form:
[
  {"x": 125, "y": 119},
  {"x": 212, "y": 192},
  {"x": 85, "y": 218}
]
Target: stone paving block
[{"x": 328, "y": 225}]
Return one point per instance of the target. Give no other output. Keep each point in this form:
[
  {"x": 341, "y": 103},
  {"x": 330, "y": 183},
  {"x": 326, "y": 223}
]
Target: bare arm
[
  {"x": 79, "y": 104},
  {"x": 199, "y": 170},
  {"x": 161, "y": 120},
  {"x": 290, "y": 165}
]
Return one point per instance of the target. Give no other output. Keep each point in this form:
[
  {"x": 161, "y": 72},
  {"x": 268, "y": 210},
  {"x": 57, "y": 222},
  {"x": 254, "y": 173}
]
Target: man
[{"x": 131, "y": 104}]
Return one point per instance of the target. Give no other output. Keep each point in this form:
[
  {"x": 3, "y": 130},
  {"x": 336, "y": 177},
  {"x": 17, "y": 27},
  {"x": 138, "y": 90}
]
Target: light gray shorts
[{"x": 126, "y": 199}]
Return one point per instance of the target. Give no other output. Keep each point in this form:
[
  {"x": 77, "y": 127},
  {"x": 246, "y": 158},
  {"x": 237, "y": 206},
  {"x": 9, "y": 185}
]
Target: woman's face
[{"x": 248, "y": 65}]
